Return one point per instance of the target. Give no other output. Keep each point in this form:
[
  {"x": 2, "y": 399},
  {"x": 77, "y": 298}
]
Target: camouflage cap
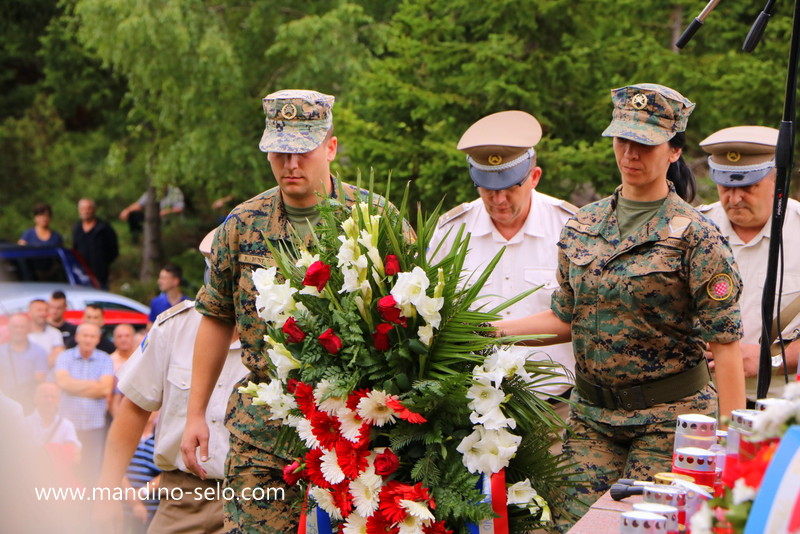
[
  {"x": 648, "y": 113},
  {"x": 297, "y": 121},
  {"x": 499, "y": 148},
  {"x": 741, "y": 155}
]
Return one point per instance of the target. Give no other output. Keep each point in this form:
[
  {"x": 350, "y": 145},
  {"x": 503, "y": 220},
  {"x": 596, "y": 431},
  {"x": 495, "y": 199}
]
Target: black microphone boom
[{"x": 693, "y": 26}]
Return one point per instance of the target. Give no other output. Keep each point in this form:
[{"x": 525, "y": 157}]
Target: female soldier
[{"x": 645, "y": 282}]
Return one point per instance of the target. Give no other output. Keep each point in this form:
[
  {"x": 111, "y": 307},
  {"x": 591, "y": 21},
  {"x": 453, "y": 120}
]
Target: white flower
[
  {"x": 792, "y": 391},
  {"x": 373, "y": 410},
  {"x": 417, "y": 509},
  {"x": 742, "y": 492},
  {"x": 330, "y": 467},
  {"x": 425, "y": 334},
  {"x": 310, "y": 290},
  {"x": 350, "y": 228},
  {"x": 484, "y": 398},
  {"x": 366, "y": 491},
  {"x": 325, "y": 501},
  {"x": 494, "y": 419},
  {"x": 281, "y": 358},
  {"x": 306, "y": 259},
  {"x": 521, "y": 493},
  {"x": 305, "y": 433},
  {"x": 469, "y": 449},
  {"x": 489, "y": 451},
  {"x": 429, "y": 308},
  {"x": 355, "y": 524},
  {"x": 329, "y": 405},
  {"x": 411, "y": 525},
  {"x": 700, "y": 522},
  {"x": 410, "y": 287},
  {"x": 350, "y": 284},
  {"x": 274, "y": 302},
  {"x": 506, "y": 363},
  {"x": 350, "y": 424},
  {"x": 273, "y": 395}
]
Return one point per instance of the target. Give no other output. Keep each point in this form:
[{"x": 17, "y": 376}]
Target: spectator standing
[
  {"x": 41, "y": 235},
  {"x": 125, "y": 345},
  {"x": 94, "y": 314},
  {"x": 43, "y": 334},
  {"x": 95, "y": 240},
  {"x": 55, "y": 316},
  {"x": 169, "y": 283},
  {"x": 170, "y": 202},
  {"x": 86, "y": 376},
  {"x": 23, "y": 364}
]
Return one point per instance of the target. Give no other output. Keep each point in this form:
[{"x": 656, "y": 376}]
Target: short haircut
[
  {"x": 95, "y": 306},
  {"x": 42, "y": 208},
  {"x": 34, "y": 301},
  {"x": 58, "y": 295},
  {"x": 174, "y": 270}
]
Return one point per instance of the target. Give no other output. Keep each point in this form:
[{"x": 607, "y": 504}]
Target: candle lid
[
  {"x": 695, "y": 459},
  {"x": 642, "y": 522},
  {"x": 696, "y": 424}
]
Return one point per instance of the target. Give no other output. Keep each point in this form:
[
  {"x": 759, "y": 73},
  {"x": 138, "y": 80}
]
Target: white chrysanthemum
[
  {"x": 281, "y": 358},
  {"x": 700, "y": 522},
  {"x": 306, "y": 259},
  {"x": 330, "y": 405},
  {"x": 325, "y": 501},
  {"x": 349, "y": 424},
  {"x": 742, "y": 492},
  {"x": 428, "y": 308},
  {"x": 520, "y": 493},
  {"x": 355, "y": 524},
  {"x": 366, "y": 490},
  {"x": 305, "y": 433},
  {"x": 373, "y": 410},
  {"x": 484, "y": 398},
  {"x": 507, "y": 362},
  {"x": 330, "y": 467},
  {"x": 494, "y": 419},
  {"x": 425, "y": 334},
  {"x": 410, "y": 287}
]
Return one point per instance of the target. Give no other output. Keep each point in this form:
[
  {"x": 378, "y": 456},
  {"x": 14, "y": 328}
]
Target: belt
[{"x": 645, "y": 395}]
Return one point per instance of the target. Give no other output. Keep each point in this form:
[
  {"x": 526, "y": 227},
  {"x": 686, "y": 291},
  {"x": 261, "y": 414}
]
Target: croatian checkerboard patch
[{"x": 720, "y": 287}]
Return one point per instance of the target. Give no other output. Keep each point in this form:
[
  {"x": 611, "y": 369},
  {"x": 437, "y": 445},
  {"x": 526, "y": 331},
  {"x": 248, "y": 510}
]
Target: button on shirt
[
  {"x": 85, "y": 413},
  {"x": 530, "y": 260}
]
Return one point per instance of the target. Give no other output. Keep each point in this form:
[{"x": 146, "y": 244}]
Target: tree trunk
[
  {"x": 677, "y": 26},
  {"x": 151, "y": 242}
]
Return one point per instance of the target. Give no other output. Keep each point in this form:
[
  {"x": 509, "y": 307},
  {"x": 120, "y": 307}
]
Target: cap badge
[
  {"x": 639, "y": 101},
  {"x": 495, "y": 159},
  {"x": 720, "y": 287},
  {"x": 733, "y": 156},
  {"x": 288, "y": 111}
]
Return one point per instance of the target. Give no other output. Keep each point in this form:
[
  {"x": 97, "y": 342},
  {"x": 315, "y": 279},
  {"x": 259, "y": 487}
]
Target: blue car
[{"x": 44, "y": 264}]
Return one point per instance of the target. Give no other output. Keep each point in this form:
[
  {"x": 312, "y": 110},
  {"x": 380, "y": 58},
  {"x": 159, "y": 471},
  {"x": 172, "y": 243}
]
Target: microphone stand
[{"x": 783, "y": 164}]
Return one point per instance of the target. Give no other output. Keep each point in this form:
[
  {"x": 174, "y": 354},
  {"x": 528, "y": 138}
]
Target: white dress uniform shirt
[
  {"x": 158, "y": 376},
  {"x": 752, "y": 261},
  {"x": 530, "y": 260}
]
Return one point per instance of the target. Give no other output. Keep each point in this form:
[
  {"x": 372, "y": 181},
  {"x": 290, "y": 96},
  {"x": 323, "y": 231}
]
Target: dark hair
[
  {"x": 42, "y": 208},
  {"x": 174, "y": 270},
  {"x": 58, "y": 295},
  {"x": 679, "y": 173},
  {"x": 95, "y": 306}
]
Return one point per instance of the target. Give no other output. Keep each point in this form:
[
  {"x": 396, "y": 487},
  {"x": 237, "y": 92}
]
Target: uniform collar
[{"x": 532, "y": 227}]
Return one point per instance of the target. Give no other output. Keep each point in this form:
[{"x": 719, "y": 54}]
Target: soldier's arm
[
  {"x": 210, "y": 351},
  {"x": 730, "y": 376},
  {"x": 545, "y": 322}
]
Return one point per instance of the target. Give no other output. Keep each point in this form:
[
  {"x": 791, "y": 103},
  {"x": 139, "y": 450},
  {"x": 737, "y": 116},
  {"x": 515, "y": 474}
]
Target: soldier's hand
[
  {"x": 194, "y": 445},
  {"x": 750, "y": 356},
  {"x": 709, "y": 357}
]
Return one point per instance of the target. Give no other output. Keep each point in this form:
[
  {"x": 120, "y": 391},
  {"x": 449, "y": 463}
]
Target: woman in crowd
[
  {"x": 41, "y": 235},
  {"x": 645, "y": 283}
]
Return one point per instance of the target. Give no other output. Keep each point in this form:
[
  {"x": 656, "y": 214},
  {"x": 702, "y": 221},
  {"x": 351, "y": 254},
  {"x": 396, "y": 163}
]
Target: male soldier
[
  {"x": 157, "y": 377},
  {"x": 511, "y": 214},
  {"x": 300, "y": 144},
  {"x": 742, "y": 164}
]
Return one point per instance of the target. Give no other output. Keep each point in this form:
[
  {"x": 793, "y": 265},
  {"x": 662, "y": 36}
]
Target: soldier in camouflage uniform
[
  {"x": 300, "y": 144},
  {"x": 645, "y": 282}
]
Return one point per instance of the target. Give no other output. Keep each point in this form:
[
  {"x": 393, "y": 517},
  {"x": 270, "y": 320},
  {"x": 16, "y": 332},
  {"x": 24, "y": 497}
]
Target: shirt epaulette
[
  {"x": 570, "y": 208},
  {"x": 454, "y": 213},
  {"x": 179, "y": 308}
]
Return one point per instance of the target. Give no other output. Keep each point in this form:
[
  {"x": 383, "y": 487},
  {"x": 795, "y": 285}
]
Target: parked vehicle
[{"x": 44, "y": 264}]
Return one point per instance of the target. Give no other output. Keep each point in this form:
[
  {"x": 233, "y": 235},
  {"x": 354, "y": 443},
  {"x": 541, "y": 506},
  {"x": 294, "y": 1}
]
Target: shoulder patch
[
  {"x": 454, "y": 213},
  {"x": 720, "y": 287},
  {"x": 678, "y": 225},
  {"x": 572, "y": 223},
  {"x": 179, "y": 308},
  {"x": 568, "y": 207}
]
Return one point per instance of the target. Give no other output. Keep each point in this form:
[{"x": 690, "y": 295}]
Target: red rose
[
  {"x": 292, "y": 331},
  {"x": 386, "y": 463},
  {"x": 391, "y": 265},
  {"x": 389, "y": 312},
  {"x": 381, "y": 336},
  {"x": 317, "y": 275},
  {"x": 330, "y": 341},
  {"x": 293, "y": 472}
]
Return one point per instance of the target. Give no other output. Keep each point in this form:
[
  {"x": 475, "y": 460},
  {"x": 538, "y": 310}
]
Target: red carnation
[
  {"x": 389, "y": 312},
  {"x": 317, "y": 275},
  {"x": 381, "y": 336},
  {"x": 292, "y": 331},
  {"x": 386, "y": 463},
  {"x": 402, "y": 412},
  {"x": 391, "y": 265},
  {"x": 330, "y": 341},
  {"x": 293, "y": 472}
]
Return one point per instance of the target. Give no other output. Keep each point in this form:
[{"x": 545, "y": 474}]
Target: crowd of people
[{"x": 641, "y": 290}]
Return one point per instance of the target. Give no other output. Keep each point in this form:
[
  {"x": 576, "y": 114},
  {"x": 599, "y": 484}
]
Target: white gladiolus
[
  {"x": 281, "y": 358},
  {"x": 274, "y": 302},
  {"x": 425, "y": 334},
  {"x": 507, "y": 362},
  {"x": 428, "y": 308},
  {"x": 520, "y": 493},
  {"x": 410, "y": 287},
  {"x": 306, "y": 259},
  {"x": 484, "y": 398}
]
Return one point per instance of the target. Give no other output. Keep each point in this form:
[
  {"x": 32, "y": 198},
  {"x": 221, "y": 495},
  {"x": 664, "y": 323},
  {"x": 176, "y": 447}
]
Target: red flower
[
  {"x": 352, "y": 457},
  {"x": 326, "y": 429},
  {"x": 293, "y": 472},
  {"x": 317, "y": 275},
  {"x": 342, "y": 497},
  {"x": 354, "y": 397},
  {"x": 304, "y": 394},
  {"x": 314, "y": 468},
  {"x": 377, "y": 524},
  {"x": 436, "y": 528},
  {"x": 402, "y": 412},
  {"x": 381, "y": 336},
  {"x": 330, "y": 341},
  {"x": 292, "y": 331},
  {"x": 389, "y": 312},
  {"x": 391, "y": 265},
  {"x": 291, "y": 385},
  {"x": 386, "y": 463},
  {"x": 394, "y": 492}
]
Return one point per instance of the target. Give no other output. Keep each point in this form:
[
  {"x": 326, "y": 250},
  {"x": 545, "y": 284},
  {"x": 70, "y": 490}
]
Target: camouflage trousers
[
  {"x": 604, "y": 453},
  {"x": 258, "y": 501}
]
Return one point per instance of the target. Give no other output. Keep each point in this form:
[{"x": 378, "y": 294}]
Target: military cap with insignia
[
  {"x": 648, "y": 113},
  {"x": 741, "y": 155},
  {"x": 297, "y": 121},
  {"x": 499, "y": 149}
]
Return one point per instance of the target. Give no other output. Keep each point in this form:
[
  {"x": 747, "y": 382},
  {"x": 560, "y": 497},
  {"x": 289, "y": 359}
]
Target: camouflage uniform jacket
[
  {"x": 642, "y": 308},
  {"x": 238, "y": 250}
]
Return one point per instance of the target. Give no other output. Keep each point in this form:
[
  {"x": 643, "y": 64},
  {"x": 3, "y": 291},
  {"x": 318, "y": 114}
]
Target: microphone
[
  {"x": 757, "y": 29},
  {"x": 693, "y": 26},
  {"x": 621, "y": 491}
]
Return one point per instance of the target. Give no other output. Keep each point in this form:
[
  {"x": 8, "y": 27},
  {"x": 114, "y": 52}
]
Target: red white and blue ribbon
[
  {"x": 316, "y": 522},
  {"x": 494, "y": 489}
]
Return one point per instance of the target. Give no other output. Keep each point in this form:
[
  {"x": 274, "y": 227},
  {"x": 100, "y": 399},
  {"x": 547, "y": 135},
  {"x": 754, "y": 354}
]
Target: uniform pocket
[{"x": 180, "y": 379}]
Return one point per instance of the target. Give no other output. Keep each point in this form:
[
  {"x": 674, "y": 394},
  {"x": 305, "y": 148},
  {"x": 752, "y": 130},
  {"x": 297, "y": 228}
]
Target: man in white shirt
[
  {"x": 510, "y": 214},
  {"x": 44, "y": 335},
  {"x": 742, "y": 164}
]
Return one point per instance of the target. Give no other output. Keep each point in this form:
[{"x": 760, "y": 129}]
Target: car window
[
  {"x": 33, "y": 269},
  {"x": 111, "y": 306}
]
